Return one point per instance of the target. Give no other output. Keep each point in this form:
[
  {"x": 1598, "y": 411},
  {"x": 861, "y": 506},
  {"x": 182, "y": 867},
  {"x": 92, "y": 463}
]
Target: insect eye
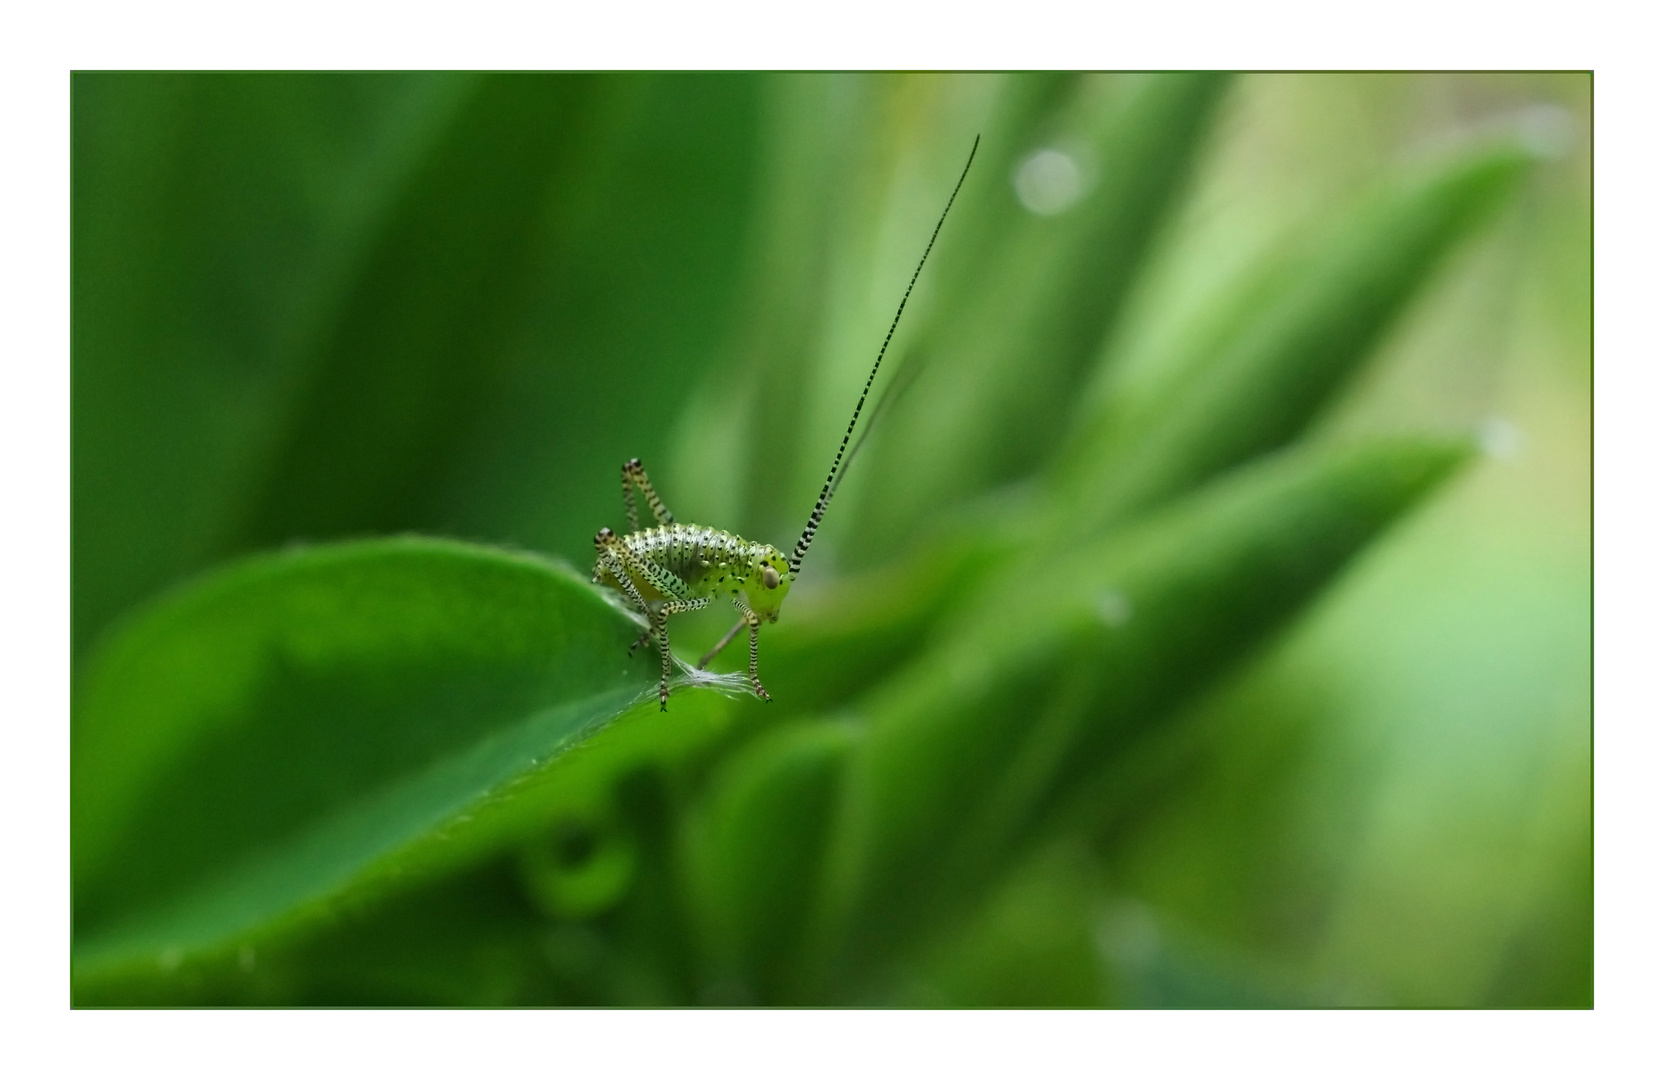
[{"x": 771, "y": 577}]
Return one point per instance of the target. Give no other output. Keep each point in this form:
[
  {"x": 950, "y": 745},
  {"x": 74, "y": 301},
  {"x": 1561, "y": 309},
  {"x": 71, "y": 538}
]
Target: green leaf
[
  {"x": 1061, "y": 661},
  {"x": 294, "y": 732}
]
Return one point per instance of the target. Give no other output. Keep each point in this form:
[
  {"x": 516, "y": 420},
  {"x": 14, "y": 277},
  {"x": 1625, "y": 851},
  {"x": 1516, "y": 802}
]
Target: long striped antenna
[{"x": 833, "y": 475}]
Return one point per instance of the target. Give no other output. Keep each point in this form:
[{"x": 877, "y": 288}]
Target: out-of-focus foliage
[{"x": 1206, "y": 621}]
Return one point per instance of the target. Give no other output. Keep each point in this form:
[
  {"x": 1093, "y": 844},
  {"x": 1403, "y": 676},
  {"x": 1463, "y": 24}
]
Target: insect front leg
[
  {"x": 615, "y": 561},
  {"x": 657, "y": 616},
  {"x": 635, "y": 476},
  {"x": 749, "y": 618}
]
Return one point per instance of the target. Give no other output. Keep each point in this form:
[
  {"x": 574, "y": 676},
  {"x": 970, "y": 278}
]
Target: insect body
[{"x": 671, "y": 568}]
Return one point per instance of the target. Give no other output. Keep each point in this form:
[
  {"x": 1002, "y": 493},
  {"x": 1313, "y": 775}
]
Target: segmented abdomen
[{"x": 691, "y": 552}]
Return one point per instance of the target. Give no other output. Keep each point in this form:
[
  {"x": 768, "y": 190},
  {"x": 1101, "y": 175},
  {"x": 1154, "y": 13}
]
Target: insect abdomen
[{"x": 703, "y": 558}]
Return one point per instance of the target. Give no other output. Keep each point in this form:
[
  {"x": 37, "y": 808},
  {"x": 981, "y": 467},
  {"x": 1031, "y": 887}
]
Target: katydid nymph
[{"x": 670, "y": 568}]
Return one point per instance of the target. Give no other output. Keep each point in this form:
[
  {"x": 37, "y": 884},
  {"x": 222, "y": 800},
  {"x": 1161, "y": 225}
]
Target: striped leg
[
  {"x": 660, "y": 624},
  {"x": 614, "y": 559},
  {"x": 610, "y": 560},
  {"x": 750, "y": 619},
  {"x": 636, "y": 477},
  {"x": 674, "y": 607}
]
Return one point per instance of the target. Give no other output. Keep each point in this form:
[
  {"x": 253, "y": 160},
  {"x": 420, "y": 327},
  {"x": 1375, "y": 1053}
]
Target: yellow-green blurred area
[{"x": 1206, "y": 621}]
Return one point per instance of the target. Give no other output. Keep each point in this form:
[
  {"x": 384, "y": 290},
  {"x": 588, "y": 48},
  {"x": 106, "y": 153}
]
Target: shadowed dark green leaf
[
  {"x": 636, "y": 296},
  {"x": 284, "y": 734},
  {"x": 418, "y": 347},
  {"x": 215, "y": 219}
]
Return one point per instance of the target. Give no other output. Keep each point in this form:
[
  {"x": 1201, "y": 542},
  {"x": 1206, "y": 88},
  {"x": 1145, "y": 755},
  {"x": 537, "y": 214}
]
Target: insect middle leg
[
  {"x": 635, "y": 476},
  {"x": 661, "y": 620}
]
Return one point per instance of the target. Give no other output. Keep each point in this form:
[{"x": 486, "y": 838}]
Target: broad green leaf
[
  {"x": 1061, "y": 661},
  {"x": 295, "y": 731}
]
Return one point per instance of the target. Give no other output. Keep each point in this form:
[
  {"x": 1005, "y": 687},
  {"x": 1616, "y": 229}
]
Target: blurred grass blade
[
  {"x": 1002, "y": 361},
  {"x": 1032, "y": 943},
  {"x": 278, "y": 736},
  {"x": 1281, "y": 348},
  {"x": 1275, "y": 352},
  {"x": 1060, "y": 661},
  {"x": 418, "y": 346},
  {"x": 753, "y": 850},
  {"x": 810, "y": 171}
]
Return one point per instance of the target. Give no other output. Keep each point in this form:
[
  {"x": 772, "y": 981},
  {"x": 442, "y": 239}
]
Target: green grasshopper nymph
[{"x": 671, "y": 568}]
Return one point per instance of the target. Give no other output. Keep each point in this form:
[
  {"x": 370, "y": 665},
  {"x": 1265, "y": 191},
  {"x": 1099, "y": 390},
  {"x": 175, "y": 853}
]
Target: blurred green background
[{"x": 1167, "y": 645}]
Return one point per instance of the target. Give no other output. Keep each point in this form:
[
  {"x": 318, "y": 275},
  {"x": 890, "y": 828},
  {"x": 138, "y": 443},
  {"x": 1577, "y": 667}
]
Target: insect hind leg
[{"x": 635, "y": 476}]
